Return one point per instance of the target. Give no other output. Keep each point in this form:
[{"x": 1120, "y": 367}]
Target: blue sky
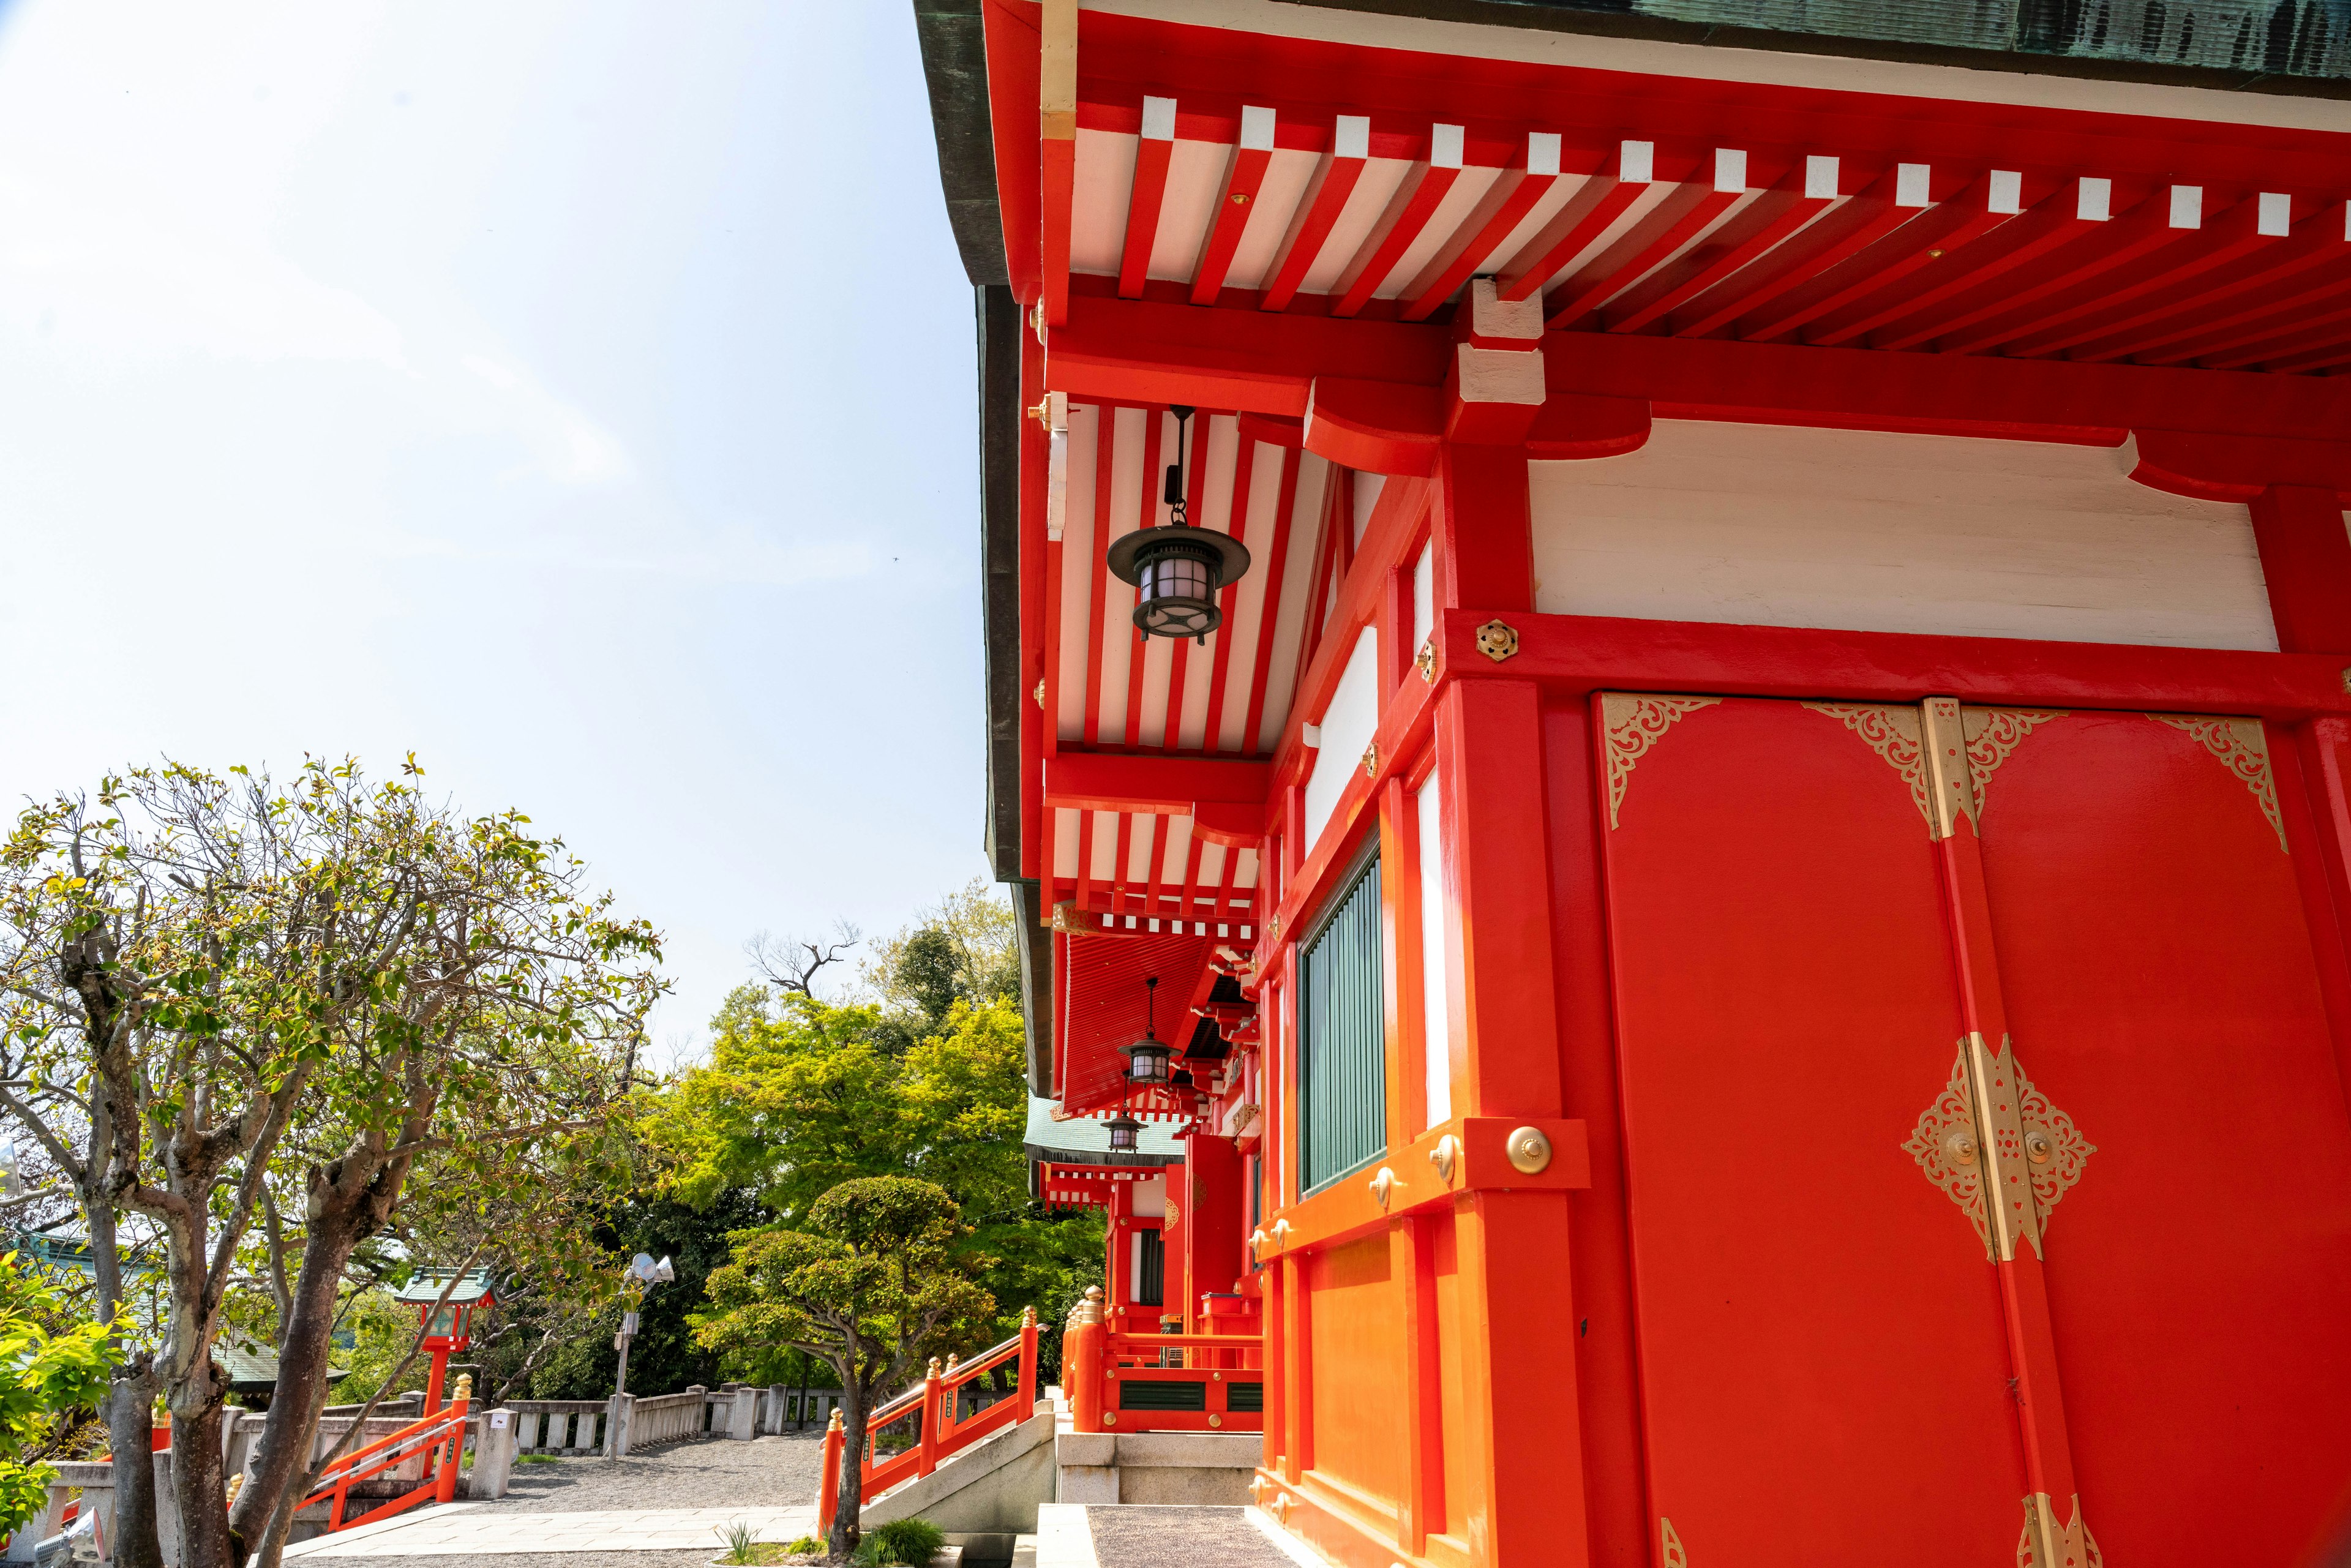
[{"x": 577, "y": 394}]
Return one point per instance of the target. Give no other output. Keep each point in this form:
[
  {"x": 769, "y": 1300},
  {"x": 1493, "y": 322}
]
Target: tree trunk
[
  {"x": 349, "y": 1201},
  {"x": 130, "y": 1398},
  {"x": 129, "y": 1426},
  {"x": 855, "y": 1401},
  {"x": 291, "y": 1429},
  {"x": 197, "y": 1479}
]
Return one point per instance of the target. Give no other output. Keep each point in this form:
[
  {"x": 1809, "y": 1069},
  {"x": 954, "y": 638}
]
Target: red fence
[
  {"x": 936, "y": 1406},
  {"x": 1160, "y": 1383},
  {"x": 439, "y": 1435}
]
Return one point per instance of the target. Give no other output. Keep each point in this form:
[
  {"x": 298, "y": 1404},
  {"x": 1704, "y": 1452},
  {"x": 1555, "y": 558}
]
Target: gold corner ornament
[
  {"x": 2045, "y": 1543},
  {"x": 2239, "y": 746},
  {"x": 1669, "y": 1545},
  {"x": 1426, "y": 661},
  {"x": 1992, "y": 733},
  {"x": 2036, "y": 1153},
  {"x": 1498, "y": 641},
  {"x": 1893, "y": 734},
  {"x": 1372, "y": 760},
  {"x": 1630, "y": 725}
]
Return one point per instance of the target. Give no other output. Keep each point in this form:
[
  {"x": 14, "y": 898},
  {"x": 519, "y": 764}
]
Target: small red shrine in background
[
  {"x": 448, "y": 1323},
  {"x": 1744, "y": 858}
]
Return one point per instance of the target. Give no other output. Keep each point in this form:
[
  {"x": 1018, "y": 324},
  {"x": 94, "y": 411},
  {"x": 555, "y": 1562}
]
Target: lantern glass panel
[
  {"x": 1146, "y": 1062},
  {"x": 1178, "y": 593}
]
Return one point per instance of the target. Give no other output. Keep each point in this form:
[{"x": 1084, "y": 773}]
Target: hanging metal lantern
[
  {"x": 1176, "y": 569},
  {"x": 1146, "y": 1061},
  {"x": 1123, "y": 1131},
  {"x": 1147, "y": 1058}
]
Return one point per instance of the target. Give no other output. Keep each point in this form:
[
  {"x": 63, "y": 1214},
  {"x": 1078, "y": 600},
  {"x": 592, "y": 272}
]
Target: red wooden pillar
[
  {"x": 1297, "y": 1371},
  {"x": 2306, "y": 562},
  {"x": 1484, "y": 540},
  {"x": 1515, "y": 1281},
  {"x": 1216, "y": 1207},
  {"x": 2305, "y": 553}
]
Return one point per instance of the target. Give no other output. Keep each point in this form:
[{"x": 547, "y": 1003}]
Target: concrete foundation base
[{"x": 1201, "y": 1468}]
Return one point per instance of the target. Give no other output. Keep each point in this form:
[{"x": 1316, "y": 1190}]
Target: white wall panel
[
  {"x": 1348, "y": 724},
  {"x": 1862, "y": 530}
]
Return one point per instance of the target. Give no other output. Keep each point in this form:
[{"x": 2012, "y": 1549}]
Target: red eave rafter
[
  {"x": 1268, "y": 365},
  {"x": 2023, "y": 233}
]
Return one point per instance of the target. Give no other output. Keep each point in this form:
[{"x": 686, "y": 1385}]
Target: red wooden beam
[
  {"x": 1599, "y": 202},
  {"x": 1415, "y": 201},
  {"x": 1269, "y": 617},
  {"x": 2053, "y": 325},
  {"x": 1671, "y": 225},
  {"x": 1167, "y": 786},
  {"x": 1149, "y": 194},
  {"x": 1179, "y": 652},
  {"x": 1765, "y": 222},
  {"x": 1243, "y": 177},
  {"x": 1097, "y": 569},
  {"x": 1895, "y": 198},
  {"x": 1504, "y": 204},
  {"x": 1983, "y": 205},
  {"x": 2327, "y": 359},
  {"x": 2317, "y": 241},
  {"x": 1244, "y": 360},
  {"x": 2306, "y": 561},
  {"x": 2302, "y": 334},
  {"x": 2265, "y": 316},
  {"x": 1153, "y": 420},
  {"x": 2060, "y": 216},
  {"x": 1057, "y": 98},
  {"x": 1583, "y": 654},
  {"x": 1326, "y": 195},
  {"x": 1237, "y": 510},
  {"x": 2145, "y": 231}
]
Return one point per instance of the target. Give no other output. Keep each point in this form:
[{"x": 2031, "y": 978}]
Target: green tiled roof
[{"x": 1083, "y": 1141}]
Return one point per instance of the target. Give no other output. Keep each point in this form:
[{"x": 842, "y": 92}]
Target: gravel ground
[
  {"x": 1194, "y": 1537},
  {"x": 696, "y": 1558},
  {"x": 764, "y": 1472}
]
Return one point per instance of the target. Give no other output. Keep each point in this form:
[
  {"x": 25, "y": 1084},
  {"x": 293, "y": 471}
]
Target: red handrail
[
  {"x": 943, "y": 1433},
  {"x": 443, "y": 1436}
]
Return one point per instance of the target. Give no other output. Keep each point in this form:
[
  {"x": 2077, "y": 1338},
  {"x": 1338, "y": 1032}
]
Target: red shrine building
[{"x": 1670, "y": 694}]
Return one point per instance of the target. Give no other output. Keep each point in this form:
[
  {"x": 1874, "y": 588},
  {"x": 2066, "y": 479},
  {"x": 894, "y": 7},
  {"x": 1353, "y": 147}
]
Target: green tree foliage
[
  {"x": 799, "y": 1097},
  {"x": 663, "y": 1358},
  {"x": 289, "y": 1014},
  {"x": 45, "y": 1374},
  {"x": 872, "y": 1284}
]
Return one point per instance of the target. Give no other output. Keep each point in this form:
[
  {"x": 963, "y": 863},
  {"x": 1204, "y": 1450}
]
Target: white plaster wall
[
  {"x": 1348, "y": 724},
  {"x": 1866, "y": 530}
]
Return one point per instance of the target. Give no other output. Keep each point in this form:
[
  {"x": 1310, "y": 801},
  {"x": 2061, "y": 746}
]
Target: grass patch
[{"x": 538, "y": 1458}]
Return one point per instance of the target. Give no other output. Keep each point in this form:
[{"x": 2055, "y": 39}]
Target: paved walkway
[
  {"x": 1154, "y": 1535},
  {"x": 663, "y": 1509},
  {"x": 462, "y": 1530}
]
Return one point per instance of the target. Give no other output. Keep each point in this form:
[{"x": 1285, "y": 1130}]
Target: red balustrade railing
[
  {"x": 936, "y": 1405},
  {"x": 1160, "y": 1383},
  {"x": 440, "y": 1437}
]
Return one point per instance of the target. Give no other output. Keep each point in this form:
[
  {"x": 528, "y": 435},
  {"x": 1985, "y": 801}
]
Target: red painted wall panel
[
  {"x": 2163, "y": 993},
  {"x": 1816, "y": 1319}
]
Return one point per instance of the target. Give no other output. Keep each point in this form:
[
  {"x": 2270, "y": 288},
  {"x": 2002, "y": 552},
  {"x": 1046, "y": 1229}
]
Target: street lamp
[{"x": 641, "y": 1275}]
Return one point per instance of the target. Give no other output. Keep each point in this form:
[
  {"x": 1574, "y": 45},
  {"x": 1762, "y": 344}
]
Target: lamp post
[{"x": 642, "y": 1274}]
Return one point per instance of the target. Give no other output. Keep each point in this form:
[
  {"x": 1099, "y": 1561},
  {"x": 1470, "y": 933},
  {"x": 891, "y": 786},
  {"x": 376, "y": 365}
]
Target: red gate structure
[{"x": 1670, "y": 704}]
